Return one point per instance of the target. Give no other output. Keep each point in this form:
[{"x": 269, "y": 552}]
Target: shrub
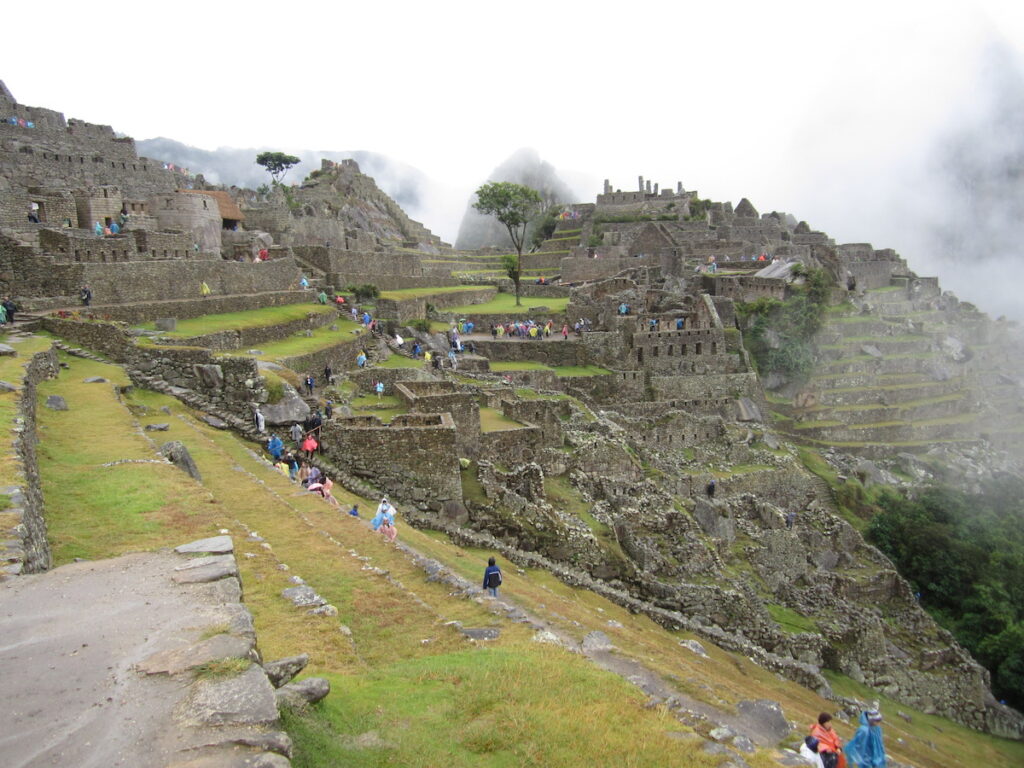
[
  {"x": 420, "y": 324},
  {"x": 364, "y": 291}
]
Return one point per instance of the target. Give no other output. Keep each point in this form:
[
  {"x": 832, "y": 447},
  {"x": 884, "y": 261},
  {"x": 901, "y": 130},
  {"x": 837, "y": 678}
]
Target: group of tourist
[
  {"x": 824, "y": 749},
  {"x": 527, "y": 329},
  {"x": 7, "y": 310}
]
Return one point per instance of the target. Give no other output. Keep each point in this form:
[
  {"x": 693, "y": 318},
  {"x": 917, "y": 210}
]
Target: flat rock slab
[
  {"x": 207, "y": 572},
  {"x": 216, "y": 423},
  {"x": 95, "y": 380},
  {"x": 178, "y": 660},
  {"x": 597, "y": 641},
  {"x": 245, "y": 699},
  {"x": 72, "y": 638},
  {"x": 6, "y": 386},
  {"x": 308, "y": 691},
  {"x": 481, "y": 633},
  {"x": 56, "y": 403},
  {"x": 282, "y": 671},
  {"x": 6, "y": 350},
  {"x": 163, "y": 427},
  {"x": 217, "y": 545},
  {"x": 205, "y": 562}
]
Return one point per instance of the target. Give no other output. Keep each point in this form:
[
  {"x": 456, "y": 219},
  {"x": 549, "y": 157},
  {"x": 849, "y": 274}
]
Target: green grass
[
  {"x": 221, "y": 669},
  {"x": 505, "y": 304},
  {"x": 493, "y": 420},
  {"x": 417, "y": 293},
  {"x": 565, "y": 371},
  {"x": 790, "y": 620},
  {"x": 299, "y": 344},
  {"x": 385, "y": 409},
  {"x": 235, "y": 321},
  {"x": 519, "y": 365},
  {"x": 401, "y": 361}
]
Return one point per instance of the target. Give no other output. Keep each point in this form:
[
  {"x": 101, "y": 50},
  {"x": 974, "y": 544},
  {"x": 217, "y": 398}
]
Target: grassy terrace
[
  {"x": 505, "y": 304},
  {"x": 300, "y": 344},
  {"x": 236, "y": 321},
  {"x": 418, "y": 293},
  {"x": 563, "y": 371}
]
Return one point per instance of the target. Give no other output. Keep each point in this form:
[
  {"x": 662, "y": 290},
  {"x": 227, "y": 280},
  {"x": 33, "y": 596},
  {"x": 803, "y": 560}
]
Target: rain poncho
[{"x": 865, "y": 749}]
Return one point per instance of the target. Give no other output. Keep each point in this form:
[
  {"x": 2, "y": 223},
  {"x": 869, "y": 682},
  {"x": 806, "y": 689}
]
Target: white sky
[{"x": 808, "y": 107}]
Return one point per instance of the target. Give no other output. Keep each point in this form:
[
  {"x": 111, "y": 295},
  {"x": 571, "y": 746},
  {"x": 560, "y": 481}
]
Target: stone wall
[
  {"x": 446, "y": 397},
  {"x": 414, "y": 459},
  {"x": 25, "y": 546},
  {"x": 578, "y": 269},
  {"x": 246, "y": 338},
  {"x": 547, "y": 352},
  {"x": 745, "y": 287},
  {"x": 404, "y": 310},
  {"x": 511, "y": 445}
]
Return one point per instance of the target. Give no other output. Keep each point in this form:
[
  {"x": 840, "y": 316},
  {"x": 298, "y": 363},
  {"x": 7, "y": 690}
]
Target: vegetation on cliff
[
  {"x": 778, "y": 334},
  {"x": 964, "y": 554}
]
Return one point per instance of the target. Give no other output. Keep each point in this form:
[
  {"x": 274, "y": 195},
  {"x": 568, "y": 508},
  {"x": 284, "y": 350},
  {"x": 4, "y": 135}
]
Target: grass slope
[{"x": 407, "y": 688}]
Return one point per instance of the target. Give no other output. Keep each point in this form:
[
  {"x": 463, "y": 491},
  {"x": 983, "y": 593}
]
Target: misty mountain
[
  {"x": 525, "y": 167},
  {"x": 406, "y": 185}
]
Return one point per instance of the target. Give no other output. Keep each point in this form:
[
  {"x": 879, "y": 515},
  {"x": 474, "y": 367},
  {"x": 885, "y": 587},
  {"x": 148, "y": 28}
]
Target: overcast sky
[{"x": 826, "y": 112}]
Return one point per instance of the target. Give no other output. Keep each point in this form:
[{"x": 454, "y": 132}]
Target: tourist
[
  {"x": 309, "y": 445},
  {"x": 565, "y": 331},
  {"x": 829, "y": 744},
  {"x": 304, "y": 474},
  {"x": 790, "y": 519},
  {"x": 315, "y": 475},
  {"x": 259, "y": 421},
  {"x": 328, "y": 410},
  {"x": 293, "y": 466},
  {"x": 354, "y": 511},
  {"x": 416, "y": 349},
  {"x": 325, "y": 491},
  {"x": 388, "y": 530},
  {"x": 310, "y": 382},
  {"x": 296, "y": 434},
  {"x": 361, "y": 359},
  {"x": 428, "y": 356},
  {"x": 85, "y": 295},
  {"x": 322, "y": 297},
  {"x": 710, "y": 488},
  {"x": 866, "y": 749},
  {"x": 379, "y": 389},
  {"x": 98, "y": 229},
  {"x": 304, "y": 283},
  {"x": 3, "y": 314},
  {"x": 623, "y": 308},
  {"x": 328, "y": 374},
  {"x": 453, "y": 360},
  {"x": 399, "y": 341},
  {"x": 494, "y": 331},
  {"x": 204, "y": 289},
  {"x": 384, "y": 512},
  {"x": 275, "y": 447},
  {"x": 492, "y": 577}
]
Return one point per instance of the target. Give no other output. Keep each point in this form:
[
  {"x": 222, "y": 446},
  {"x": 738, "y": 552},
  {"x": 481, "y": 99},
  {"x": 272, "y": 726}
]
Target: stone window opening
[
  {"x": 105, "y": 193},
  {"x": 669, "y": 352},
  {"x": 654, "y": 352},
  {"x": 699, "y": 348}
]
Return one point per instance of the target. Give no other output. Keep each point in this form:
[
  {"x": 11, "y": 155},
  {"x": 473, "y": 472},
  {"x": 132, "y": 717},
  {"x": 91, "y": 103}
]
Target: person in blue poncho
[
  {"x": 385, "y": 512},
  {"x": 865, "y": 749},
  {"x": 275, "y": 447}
]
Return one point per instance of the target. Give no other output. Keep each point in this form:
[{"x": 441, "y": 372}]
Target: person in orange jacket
[{"x": 829, "y": 745}]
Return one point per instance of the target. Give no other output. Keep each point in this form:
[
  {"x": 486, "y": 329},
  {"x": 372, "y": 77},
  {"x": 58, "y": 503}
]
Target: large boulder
[
  {"x": 178, "y": 455},
  {"x": 288, "y": 410}
]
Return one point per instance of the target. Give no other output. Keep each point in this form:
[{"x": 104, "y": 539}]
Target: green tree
[
  {"x": 277, "y": 163},
  {"x": 513, "y": 205}
]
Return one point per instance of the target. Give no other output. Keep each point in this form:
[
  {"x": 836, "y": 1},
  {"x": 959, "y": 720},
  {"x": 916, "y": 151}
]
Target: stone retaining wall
[
  {"x": 245, "y": 338},
  {"x": 404, "y": 310},
  {"x": 26, "y": 549}
]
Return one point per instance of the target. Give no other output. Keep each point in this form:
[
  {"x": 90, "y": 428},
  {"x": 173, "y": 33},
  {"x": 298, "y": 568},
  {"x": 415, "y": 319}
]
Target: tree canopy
[
  {"x": 514, "y": 205},
  {"x": 277, "y": 163}
]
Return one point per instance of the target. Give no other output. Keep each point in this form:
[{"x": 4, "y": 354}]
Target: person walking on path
[
  {"x": 10, "y": 308},
  {"x": 379, "y": 389},
  {"x": 204, "y": 289},
  {"x": 296, "y": 434},
  {"x": 328, "y": 374},
  {"x": 492, "y": 577},
  {"x": 85, "y": 295},
  {"x": 865, "y": 749},
  {"x": 310, "y": 382},
  {"x": 711, "y": 488},
  {"x": 259, "y": 421},
  {"x": 388, "y": 530}
]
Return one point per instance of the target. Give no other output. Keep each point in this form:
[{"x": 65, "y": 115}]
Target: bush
[
  {"x": 420, "y": 324},
  {"x": 364, "y": 291},
  {"x": 595, "y": 240}
]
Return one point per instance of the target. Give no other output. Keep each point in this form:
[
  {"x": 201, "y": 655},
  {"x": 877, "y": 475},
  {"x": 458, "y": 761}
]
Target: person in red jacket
[{"x": 829, "y": 744}]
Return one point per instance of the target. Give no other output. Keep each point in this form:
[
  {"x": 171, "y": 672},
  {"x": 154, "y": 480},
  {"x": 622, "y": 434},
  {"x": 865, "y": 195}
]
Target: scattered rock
[
  {"x": 597, "y": 641},
  {"x": 871, "y": 351},
  {"x": 163, "y": 427},
  {"x": 743, "y": 744},
  {"x": 308, "y": 691},
  {"x": 94, "y": 380},
  {"x": 766, "y": 716},
  {"x": 481, "y": 633},
  {"x": 771, "y": 441},
  {"x": 6, "y": 386},
  {"x": 216, "y": 569},
  {"x": 217, "y": 545},
  {"x": 303, "y": 596},
  {"x": 56, "y": 403},
  {"x": 284, "y": 670},
  {"x": 722, "y": 733},
  {"x": 216, "y": 423},
  {"x": 272, "y": 741},
  {"x": 694, "y": 646},
  {"x": 324, "y": 610},
  {"x": 166, "y": 323},
  {"x": 176, "y": 452},
  {"x": 6, "y": 350}
]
